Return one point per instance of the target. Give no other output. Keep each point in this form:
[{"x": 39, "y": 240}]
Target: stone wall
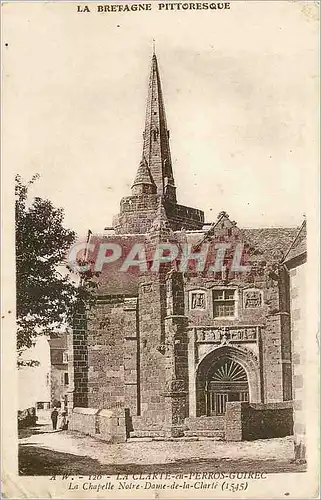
[
  {"x": 267, "y": 421},
  {"x": 111, "y": 426},
  {"x": 112, "y": 354},
  {"x": 152, "y": 297},
  {"x": 286, "y": 351},
  {"x": 163, "y": 355},
  {"x": 272, "y": 346},
  {"x": 83, "y": 420},
  {"x": 298, "y": 319},
  {"x": 136, "y": 354},
  {"x": 137, "y": 214},
  {"x": 181, "y": 216},
  {"x": 132, "y": 352},
  {"x": 107, "y": 425},
  {"x": 103, "y": 365},
  {"x": 244, "y": 421},
  {"x": 79, "y": 359},
  {"x": 271, "y": 353},
  {"x": 233, "y": 422}
]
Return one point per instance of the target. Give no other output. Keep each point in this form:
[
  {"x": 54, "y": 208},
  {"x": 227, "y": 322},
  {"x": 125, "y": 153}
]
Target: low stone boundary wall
[
  {"x": 233, "y": 421},
  {"x": 143, "y": 423},
  {"x": 108, "y": 425},
  {"x": 249, "y": 421},
  {"x": 83, "y": 420},
  {"x": 112, "y": 426},
  {"x": 205, "y": 423}
]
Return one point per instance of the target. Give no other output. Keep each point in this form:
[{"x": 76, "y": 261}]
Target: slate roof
[
  {"x": 263, "y": 239},
  {"x": 299, "y": 245},
  {"x": 112, "y": 281},
  {"x": 271, "y": 239}
]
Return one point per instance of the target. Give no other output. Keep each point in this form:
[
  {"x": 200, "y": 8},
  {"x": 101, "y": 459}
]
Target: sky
[{"x": 240, "y": 89}]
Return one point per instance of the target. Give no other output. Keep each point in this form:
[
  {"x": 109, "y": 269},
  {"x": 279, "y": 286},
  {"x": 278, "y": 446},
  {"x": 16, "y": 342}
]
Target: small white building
[{"x": 34, "y": 381}]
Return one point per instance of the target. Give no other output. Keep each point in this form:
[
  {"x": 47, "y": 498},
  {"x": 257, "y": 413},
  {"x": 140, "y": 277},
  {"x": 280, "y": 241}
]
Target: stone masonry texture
[{"x": 157, "y": 345}]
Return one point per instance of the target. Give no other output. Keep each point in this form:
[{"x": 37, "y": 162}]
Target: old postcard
[{"x": 160, "y": 253}]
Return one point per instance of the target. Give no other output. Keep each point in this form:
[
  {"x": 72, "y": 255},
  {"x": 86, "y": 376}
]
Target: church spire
[
  {"x": 156, "y": 150},
  {"x": 153, "y": 193}
]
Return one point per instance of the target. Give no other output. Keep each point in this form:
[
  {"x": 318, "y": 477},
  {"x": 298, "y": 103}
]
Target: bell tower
[{"x": 154, "y": 178}]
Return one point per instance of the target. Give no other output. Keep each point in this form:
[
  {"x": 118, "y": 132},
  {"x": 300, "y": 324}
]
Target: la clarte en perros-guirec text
[{"x": 138, "y": 7}]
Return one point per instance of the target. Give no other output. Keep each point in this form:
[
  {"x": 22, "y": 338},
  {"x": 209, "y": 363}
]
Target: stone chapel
[{"x": 171, "y": 353}]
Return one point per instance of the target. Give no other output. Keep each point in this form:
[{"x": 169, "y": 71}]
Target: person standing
[
  {"x": 54, "y": 418},
  {"x": 63, "y": 424}
]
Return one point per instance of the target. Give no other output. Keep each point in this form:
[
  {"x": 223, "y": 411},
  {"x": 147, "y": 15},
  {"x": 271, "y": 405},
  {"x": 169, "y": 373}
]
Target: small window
[
  {"x": 219, "y": 295},
  {"x": 224, "y": 303},
  {"x": 66, "y": 378},
  {"x": 229, "y": 294},
  {"x": 65, "y": 357}
]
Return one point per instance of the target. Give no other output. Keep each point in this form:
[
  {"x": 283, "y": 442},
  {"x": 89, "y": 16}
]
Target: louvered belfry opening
[{"x": 227, "y": 381}]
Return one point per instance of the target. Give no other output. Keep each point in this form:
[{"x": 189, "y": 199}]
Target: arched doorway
[
  {"x": 225, "y": 374},
  {"x": 227, "y": 381}
]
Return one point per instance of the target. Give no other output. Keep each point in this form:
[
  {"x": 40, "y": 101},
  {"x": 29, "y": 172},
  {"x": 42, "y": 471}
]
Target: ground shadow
[
  {"x": 34, "y": 430},
  {"x": 35, "y": 461}
]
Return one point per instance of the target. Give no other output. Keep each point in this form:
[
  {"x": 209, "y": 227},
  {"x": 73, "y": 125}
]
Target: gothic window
[
  {"x": 224, "y": 303},
  {"x": 198, "y": 300},
  {"x": 252, "y": 298}
]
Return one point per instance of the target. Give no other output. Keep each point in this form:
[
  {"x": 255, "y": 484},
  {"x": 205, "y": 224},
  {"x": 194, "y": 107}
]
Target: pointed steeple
[
  {"x": 156, "y": 148},
  {"x": 143, "y": 183},
  {"x": 154, "y": 179}
]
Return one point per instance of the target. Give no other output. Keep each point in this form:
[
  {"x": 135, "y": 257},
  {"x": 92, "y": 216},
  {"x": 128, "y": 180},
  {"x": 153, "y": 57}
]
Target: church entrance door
[{"x": 227, "y": 382}]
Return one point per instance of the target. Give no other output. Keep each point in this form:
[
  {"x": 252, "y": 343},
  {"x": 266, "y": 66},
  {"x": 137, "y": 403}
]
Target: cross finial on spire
[{"x": 153, "y": 46}]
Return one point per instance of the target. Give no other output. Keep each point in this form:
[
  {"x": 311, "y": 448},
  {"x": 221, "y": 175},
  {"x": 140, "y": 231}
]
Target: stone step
[
  {"x": 147, "y": 433},
  {"x": 179, "y": 439},
  {"x": 204, "y": 423},
  {"x": 140, "y": 439},
  {"x": 206, "y": 433}
]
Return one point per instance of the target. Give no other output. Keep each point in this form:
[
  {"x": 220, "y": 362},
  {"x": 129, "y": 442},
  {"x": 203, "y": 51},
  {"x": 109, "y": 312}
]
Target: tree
[{"x": 46, "y": 293}]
